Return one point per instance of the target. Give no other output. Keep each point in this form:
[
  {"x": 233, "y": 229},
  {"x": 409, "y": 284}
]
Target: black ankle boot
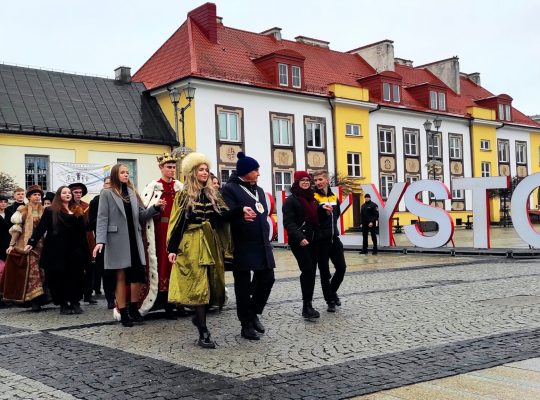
[
  {"x": 125, "y": 318},
  {"x": 205, "y": 339},
  {"x": 248, "y": 331},
  {"x": 169, "y": 311},
  {"x": 135, "y": 314},
  {"x": 309, "y": 312}
]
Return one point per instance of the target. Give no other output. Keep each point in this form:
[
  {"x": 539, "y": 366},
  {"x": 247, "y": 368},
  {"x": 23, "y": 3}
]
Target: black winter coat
[
  {"x": 65, "y": 245},
  {"x": 252, "y": 248},
  {"x": 294, "y": 221},
  {"x": 5, "y": 237},
  {"x": 369, "y": 213}
]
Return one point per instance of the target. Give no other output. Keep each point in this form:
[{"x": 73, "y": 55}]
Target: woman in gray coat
[{"x": 118, "y": 234}]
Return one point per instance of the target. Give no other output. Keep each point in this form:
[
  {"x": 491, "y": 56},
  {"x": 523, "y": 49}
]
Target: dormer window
[
  {"x": 505, "y": 112},
  {"x": 283, "y": 74},
  {"x": 437, "y": 100},
  {"x": 296, "y": 77},
  {"x": 391, "y": 92}
]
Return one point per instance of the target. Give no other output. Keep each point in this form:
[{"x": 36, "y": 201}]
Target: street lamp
[
  {"x": 433, "y": 164},
  {"x": 175, "y": 95}
]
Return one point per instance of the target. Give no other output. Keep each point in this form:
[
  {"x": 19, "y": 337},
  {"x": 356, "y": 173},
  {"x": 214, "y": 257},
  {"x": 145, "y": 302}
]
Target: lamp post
[
  {"x": 175, "y": 95},
  {"x": 433, "y": 164}
]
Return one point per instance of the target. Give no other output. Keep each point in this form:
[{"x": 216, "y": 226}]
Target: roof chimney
[
  {"x": 219, "y": 20},
  {"x": 379, "y": 55},
  {"x": 402, "y": 61},
  {"x": 312, "y": 42},
  {"x": 275, "y": 32},
  {"x": 206, "y": 19},
  {"x": 475, "y": 77},
  {"x": 447, "y": 71},
  {"x": 122, "y": 74}
]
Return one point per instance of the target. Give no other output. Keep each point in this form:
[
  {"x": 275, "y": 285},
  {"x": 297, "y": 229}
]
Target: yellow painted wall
[
  {"x": 345, "y": 114},
  {"x": 14, "y": 147},
  {"x": 189, "y": 116}
]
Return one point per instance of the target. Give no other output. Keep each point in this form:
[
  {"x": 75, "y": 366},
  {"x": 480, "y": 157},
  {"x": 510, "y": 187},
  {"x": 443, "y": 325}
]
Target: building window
[
  {"x": 485, "y": 145},
  {"x": 411, "y": 143},
  {"x": 391, "y": 92},
  {"x": 387, "y": 181},
  {"x": 296, "y": 77},
  {"x": 486, "y": 169},
  {"x": 437, "y": 100},
  {"x": 281, "y": 131},
  {"x": 132, "y": 167},
  {"x": 283, "y": 74},
  {"x": 434, "y": 146},
  {"x": 455, "y": 147},
  {"x": 521, "y": 153},
  {"x": 36, "y": 171},
  {"x": 386, "y": 141},
  {"x": 229, "y": 126},
  {"x": 353, "y": 130},
  {"x": 282, "y": 181},
  {"x": 457, "y": 195},
  {"x": 412, "y": 178},
  {"x": 314, "y": 134},
  {"x": 503, "y": 150},
  {"x": 225, "y": 174},
  {"x": 505, "y": 112},
  {"x": 354, "y": 165}
]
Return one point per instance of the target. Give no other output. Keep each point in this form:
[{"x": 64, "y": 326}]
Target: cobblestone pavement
[{"x": 403, "y": 320}]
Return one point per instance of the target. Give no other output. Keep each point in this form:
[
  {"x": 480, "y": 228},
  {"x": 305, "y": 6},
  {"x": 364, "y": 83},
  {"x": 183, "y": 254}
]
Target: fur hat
[
  {"x": 245, "y": 164},
  {"x": 3, "y": 198},
  {"x": 34, "y": 189},
  {"x": 301, "y": 174},
  {"x": 80, "y": 185},
  {"x": 193, "y": 160}
]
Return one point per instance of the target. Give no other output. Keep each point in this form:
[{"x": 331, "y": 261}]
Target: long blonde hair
[{"x": 194, "y": 188}]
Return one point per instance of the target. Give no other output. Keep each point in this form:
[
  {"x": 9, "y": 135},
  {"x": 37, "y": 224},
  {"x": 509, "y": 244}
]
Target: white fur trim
[
  {"x": 15, "y": 228},
  {"x": 16, "y": 218},
  {"x": 153, "y": 278},
  {"x": 192, "y": 160},
  {"x": 178, "y": 186}
]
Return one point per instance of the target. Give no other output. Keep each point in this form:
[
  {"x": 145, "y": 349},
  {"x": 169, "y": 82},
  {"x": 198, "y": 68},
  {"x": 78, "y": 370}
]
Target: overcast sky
[{"x": 499, "y": 39}]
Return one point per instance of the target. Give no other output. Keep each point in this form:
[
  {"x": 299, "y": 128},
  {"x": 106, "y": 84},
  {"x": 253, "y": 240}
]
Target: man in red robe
[{"x": 158, "y": 264}]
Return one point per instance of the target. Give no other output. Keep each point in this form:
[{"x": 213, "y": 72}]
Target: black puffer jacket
[{"x": 369, "y": 213}]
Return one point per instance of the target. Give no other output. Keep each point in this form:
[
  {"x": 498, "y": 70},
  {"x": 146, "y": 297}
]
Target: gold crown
[{"x": 166, "y": 158}]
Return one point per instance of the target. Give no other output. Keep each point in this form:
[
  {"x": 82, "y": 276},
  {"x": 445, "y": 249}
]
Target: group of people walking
[{"x": 170, "y": 245}]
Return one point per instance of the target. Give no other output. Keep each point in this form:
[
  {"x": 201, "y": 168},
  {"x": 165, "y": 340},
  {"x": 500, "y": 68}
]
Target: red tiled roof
[{"x": 189, "y": 52}]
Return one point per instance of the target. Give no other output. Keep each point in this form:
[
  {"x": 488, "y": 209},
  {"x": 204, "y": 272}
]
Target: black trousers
[
  {"x": 66, "y": 285},
  {"x": 331, "y": 250},
  {"x": 366, "y": 230},
  {"x": 306, "y": 256},
  {"x": 252, "y": 294}
]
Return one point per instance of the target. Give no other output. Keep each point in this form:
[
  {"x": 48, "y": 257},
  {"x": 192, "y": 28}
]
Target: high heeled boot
[
  {"x": 135, "y": 314},
  {"x": 125, "y": 319}
]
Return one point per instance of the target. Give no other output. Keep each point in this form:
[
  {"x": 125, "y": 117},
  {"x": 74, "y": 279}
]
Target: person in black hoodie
[
  {"x": 252, "y": 248},
  {"x": 5, "y": 237},
  {"x": 369, "y": 215},
  {"x": 330, "y": 246},
  {"x": 301, "y": 220}
]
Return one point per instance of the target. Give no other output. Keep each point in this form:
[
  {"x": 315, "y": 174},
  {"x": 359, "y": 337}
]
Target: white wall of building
[
  {"x": 257, "y": 105},
  {"x": 512, "y": 134}
]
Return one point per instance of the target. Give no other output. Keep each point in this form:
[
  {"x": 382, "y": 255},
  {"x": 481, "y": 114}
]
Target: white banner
[{"x": 90, "y": 174}]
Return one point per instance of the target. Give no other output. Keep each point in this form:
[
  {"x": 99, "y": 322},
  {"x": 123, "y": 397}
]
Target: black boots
[
  {"x": 331, "y": 306},
  {"x": 248, "y": 331},
  {"x": 125, "y": 319},
  {"x": 205, "y": 340},
  {"x": 309, "y": 312},
  {"x": 135, "y": 314},
  {"x": 257, "y": 324},
  {"x": 170, "y": 312},
  {"x": 76, "y": 307}
]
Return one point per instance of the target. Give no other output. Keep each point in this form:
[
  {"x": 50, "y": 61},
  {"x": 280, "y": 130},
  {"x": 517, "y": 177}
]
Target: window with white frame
[
  {"x": 411, "y": 143},
  {"x": 132, "y": 167},
  {"x": 296, "y": 77},
  {"x": 36, "y": 171},
  {"x": 485, "y": 144},
  {"x": 505, "y": 112},
  {"x": 391, "y": 92},
  {"x": 283, "y": 74},
  {"x": 229, "y": 125},
  {"x": 458, "y": 194},
  {"x": 281, "y": 131},
  {"x": 434, "y": 145},
  {"x": 456, "y": 147},
  {"x": 386, "y": 141},
  {"x": 503, "y": 151},
  {"x": 282, "y": 181},
  {"x": 486, "y": 169},
  {"x": 225, "y": 174},
  {"x": 412, "y": 178},
  {"x": 353, "y": 130},
  {"x": 396, "y": 97},
  {"x": 314, "y": 135},
  {"x": 387, "y": 182},
  {"x": 508, "y": 110},
  {"x": 521, "y": 153},
  {"x": 386, "y": 91},
  {"x": 437, "y": 100},
  {"x": 354, "y": 165}
]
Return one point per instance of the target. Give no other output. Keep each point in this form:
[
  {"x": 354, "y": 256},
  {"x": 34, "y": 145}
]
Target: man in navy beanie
[{"x": 252, "y": 248}]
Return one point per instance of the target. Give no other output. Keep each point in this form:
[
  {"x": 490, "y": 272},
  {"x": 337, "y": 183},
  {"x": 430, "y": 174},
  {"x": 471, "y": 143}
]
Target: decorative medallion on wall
[
  {"x": 504, "y": 170},
  {"x": 458, "y": 206},
  {"x": 456, "y": 167},
  {"x": 227, "y": 153},
  {"x": 283, "y": 157},
  {"x": 521, "y": 171},
  {"x": 412, "y": 165},
  {"x": 316, "y": 159},
  {"x": 388, "y": 164}
]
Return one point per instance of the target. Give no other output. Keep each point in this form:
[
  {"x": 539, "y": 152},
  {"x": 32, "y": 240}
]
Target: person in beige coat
[{"x": 119, "y": 235}]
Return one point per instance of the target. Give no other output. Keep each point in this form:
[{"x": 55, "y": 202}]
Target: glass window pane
[
  {"x": 442, "y": 101},
  {"x": 386, "y": 91},
  {"x": 433, "y": 100},
  {"x": 222, "y": 126},
  {"x": 275, "y": 131},
  {"x": 233, "y": 126},
  {"x": 396, "y": 94}
]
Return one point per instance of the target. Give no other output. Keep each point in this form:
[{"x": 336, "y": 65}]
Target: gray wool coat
[{"x": 112, "y": 228}]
